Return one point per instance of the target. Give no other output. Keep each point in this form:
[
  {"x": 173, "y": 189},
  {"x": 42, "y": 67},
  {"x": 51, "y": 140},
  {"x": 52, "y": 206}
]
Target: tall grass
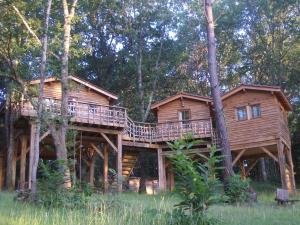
[{"x": 135, "y": 209}]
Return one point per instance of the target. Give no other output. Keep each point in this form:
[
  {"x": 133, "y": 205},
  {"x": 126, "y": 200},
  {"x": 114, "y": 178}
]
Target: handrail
[
  {"x": 154, "y": 132},
  {"x": 83, "y": 112}
]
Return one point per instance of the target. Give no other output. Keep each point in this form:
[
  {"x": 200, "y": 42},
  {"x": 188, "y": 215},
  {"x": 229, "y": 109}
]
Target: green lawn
[{"x": 134, "y": 209}]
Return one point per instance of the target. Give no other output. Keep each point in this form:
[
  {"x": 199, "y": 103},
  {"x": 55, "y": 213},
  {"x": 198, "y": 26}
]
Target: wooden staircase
[{"x": 129, "y": 161}]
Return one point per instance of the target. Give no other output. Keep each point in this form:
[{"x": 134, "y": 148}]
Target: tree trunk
[
  {"x": 36, "y": 143},
  {"x": 215, "y": 88},
  {"x": 262, "y": 167},
  {"x": 59, "y": 133},
  {"x": 10, "y": 144},
  {"x": 140, "y": 82}
]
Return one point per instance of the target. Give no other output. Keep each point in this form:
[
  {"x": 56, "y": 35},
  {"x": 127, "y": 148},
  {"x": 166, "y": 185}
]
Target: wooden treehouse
[{"x": 256, "y": 118}]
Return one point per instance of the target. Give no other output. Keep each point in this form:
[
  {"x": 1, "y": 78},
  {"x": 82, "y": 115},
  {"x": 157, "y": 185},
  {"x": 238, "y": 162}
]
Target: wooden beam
[
  {"x": 191, "y": 151},
  {"x": 105, "y": 168},
  {"x": 251, "y": 167},
  {"x": 44, "y": 135},
  {"x": 31, "y": 153},
  {"x": 281, "y": 162},
  {"x": 23, "y": 162},
  {"x": 93, "y": 129},
  {"x": 291, "y": 169},
  {"x": 143, "y": 145},
  {"x": 238, "y": 157},
  {"x": 97, "y": 150},
  {"x": 119, "y": 162},
  {"x": 161, "y": 170},
  {"x": 110, "y": 142},
  {"x": 269, "y": 153}
]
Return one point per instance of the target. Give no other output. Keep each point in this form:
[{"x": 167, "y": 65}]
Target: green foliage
[
  {"x": 196, "y": 184},
  {"x": 51, "y": 192},
  {"x": 237, "y": 190}
]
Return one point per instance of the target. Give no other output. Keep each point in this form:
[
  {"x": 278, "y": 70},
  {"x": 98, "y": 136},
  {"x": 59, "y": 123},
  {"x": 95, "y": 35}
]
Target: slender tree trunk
[
  {"x": 36, "y": 143},
  {"x": 140, "y": 81},
  {"x": 10, "y": 143},
  {"x": 262, "y": 167},
  {"x": 59, "y": 132},
  {"x": 215, "y": 88}
]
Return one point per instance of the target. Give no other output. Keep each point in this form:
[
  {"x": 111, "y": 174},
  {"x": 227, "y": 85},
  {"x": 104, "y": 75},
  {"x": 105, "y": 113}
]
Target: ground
[{"x": 135, "y": 209}]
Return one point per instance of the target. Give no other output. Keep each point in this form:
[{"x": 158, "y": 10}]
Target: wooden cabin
[{"x": 256, "y": 118}]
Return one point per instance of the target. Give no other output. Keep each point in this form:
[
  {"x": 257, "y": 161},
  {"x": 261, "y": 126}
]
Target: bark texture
[{"x": 215, "y": 89}]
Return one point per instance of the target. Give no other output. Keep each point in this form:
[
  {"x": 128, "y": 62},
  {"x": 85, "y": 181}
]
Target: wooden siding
[
  {"x": 169, "y": 111},
  {"x": 283, "y": 123},
  {"x": 81, "y": 93},
  {"x": 249, "y": 131}
]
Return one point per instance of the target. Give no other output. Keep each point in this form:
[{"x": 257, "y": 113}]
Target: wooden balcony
[
  {"x": 80, "y": 112},
  {"x": 151, "y": 132}
]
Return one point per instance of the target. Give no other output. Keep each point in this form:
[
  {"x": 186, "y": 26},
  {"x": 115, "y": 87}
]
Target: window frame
[
  {"x": 189, "y": 115},
  {"x": 251, "y": 108},
  {"x": 237, "y": 113}
]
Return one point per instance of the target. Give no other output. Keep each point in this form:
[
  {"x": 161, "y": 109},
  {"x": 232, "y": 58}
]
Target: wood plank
[
  {"x": 110, "y": 142},
  {"x": 238, "y": 157}
]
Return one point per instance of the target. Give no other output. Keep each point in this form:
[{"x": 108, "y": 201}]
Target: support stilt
[
  {"x": 105, "y": 168},
  {"x": 282, "y": 164},
  {"x": 161, "y": 170},
  {"x": 23, "y": 139},
  {"x": 119, "y": 162},
  {"x": 31, "y": 152}
]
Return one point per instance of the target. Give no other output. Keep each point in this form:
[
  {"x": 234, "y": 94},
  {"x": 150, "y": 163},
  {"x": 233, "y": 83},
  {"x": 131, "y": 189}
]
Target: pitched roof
[
  {"x": 274, "y": 89},
  {"x": 81, "y": 81},
  {"x": 181, "y": 95}
]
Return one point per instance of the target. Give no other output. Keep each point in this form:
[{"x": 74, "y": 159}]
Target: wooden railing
[
  {"x": 81, "y": 112},
  {"x": 151, "y": 132}
]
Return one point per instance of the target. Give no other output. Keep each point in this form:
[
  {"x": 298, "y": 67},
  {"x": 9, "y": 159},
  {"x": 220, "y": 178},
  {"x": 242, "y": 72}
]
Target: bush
[
  {"x": 197, "y": 183},
  {"x": 237, "y": 190},
  {"x": 51, "y": 192}
]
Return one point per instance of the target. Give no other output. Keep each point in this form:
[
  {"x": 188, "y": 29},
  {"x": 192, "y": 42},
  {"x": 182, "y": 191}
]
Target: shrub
[
  {"x": 51, "y": 192},
  {"x": 197, "y": 183},
  {"x": 237, "y": 190}
]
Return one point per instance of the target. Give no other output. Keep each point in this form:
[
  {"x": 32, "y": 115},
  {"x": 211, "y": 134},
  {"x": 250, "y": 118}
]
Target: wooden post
[
  {"x": 14, "y": 168},
  {"x": 105, "y": 168},
  {"x": 119, "y": 162},
  {"x": 242, "y": 169},
  {"x": 161, "y": 170},
  {"x": 23, "y": 161},
  {"x": 31, "y": 152},
  {"x": 291, "y": 169},
  {"x": 172, "y": 183},
  {"x": 92, "y": 171},
  {"x": 282, "y": 166}
]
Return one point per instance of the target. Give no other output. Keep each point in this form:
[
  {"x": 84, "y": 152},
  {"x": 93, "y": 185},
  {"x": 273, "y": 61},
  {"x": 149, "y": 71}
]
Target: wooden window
[
  {"x": 255, "y": 111},
  {"x": 92, "y": 109},
  {"x": 184, "y": 115},
  {"x": 72, "y": 105},
  {"x": 241, "y": 113}
]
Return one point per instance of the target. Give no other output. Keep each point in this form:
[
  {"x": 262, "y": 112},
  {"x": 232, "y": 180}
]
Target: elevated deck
[
  {"x": 89, "y": 114},
  {"x": 81, "y": 112}
]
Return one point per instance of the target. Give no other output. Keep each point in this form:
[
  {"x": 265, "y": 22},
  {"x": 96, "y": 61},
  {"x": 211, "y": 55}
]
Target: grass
[{"x": 134, "y": 209}]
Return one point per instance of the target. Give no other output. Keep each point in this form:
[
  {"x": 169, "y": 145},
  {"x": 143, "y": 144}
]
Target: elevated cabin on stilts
[{"x": 256, "y": 118}]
